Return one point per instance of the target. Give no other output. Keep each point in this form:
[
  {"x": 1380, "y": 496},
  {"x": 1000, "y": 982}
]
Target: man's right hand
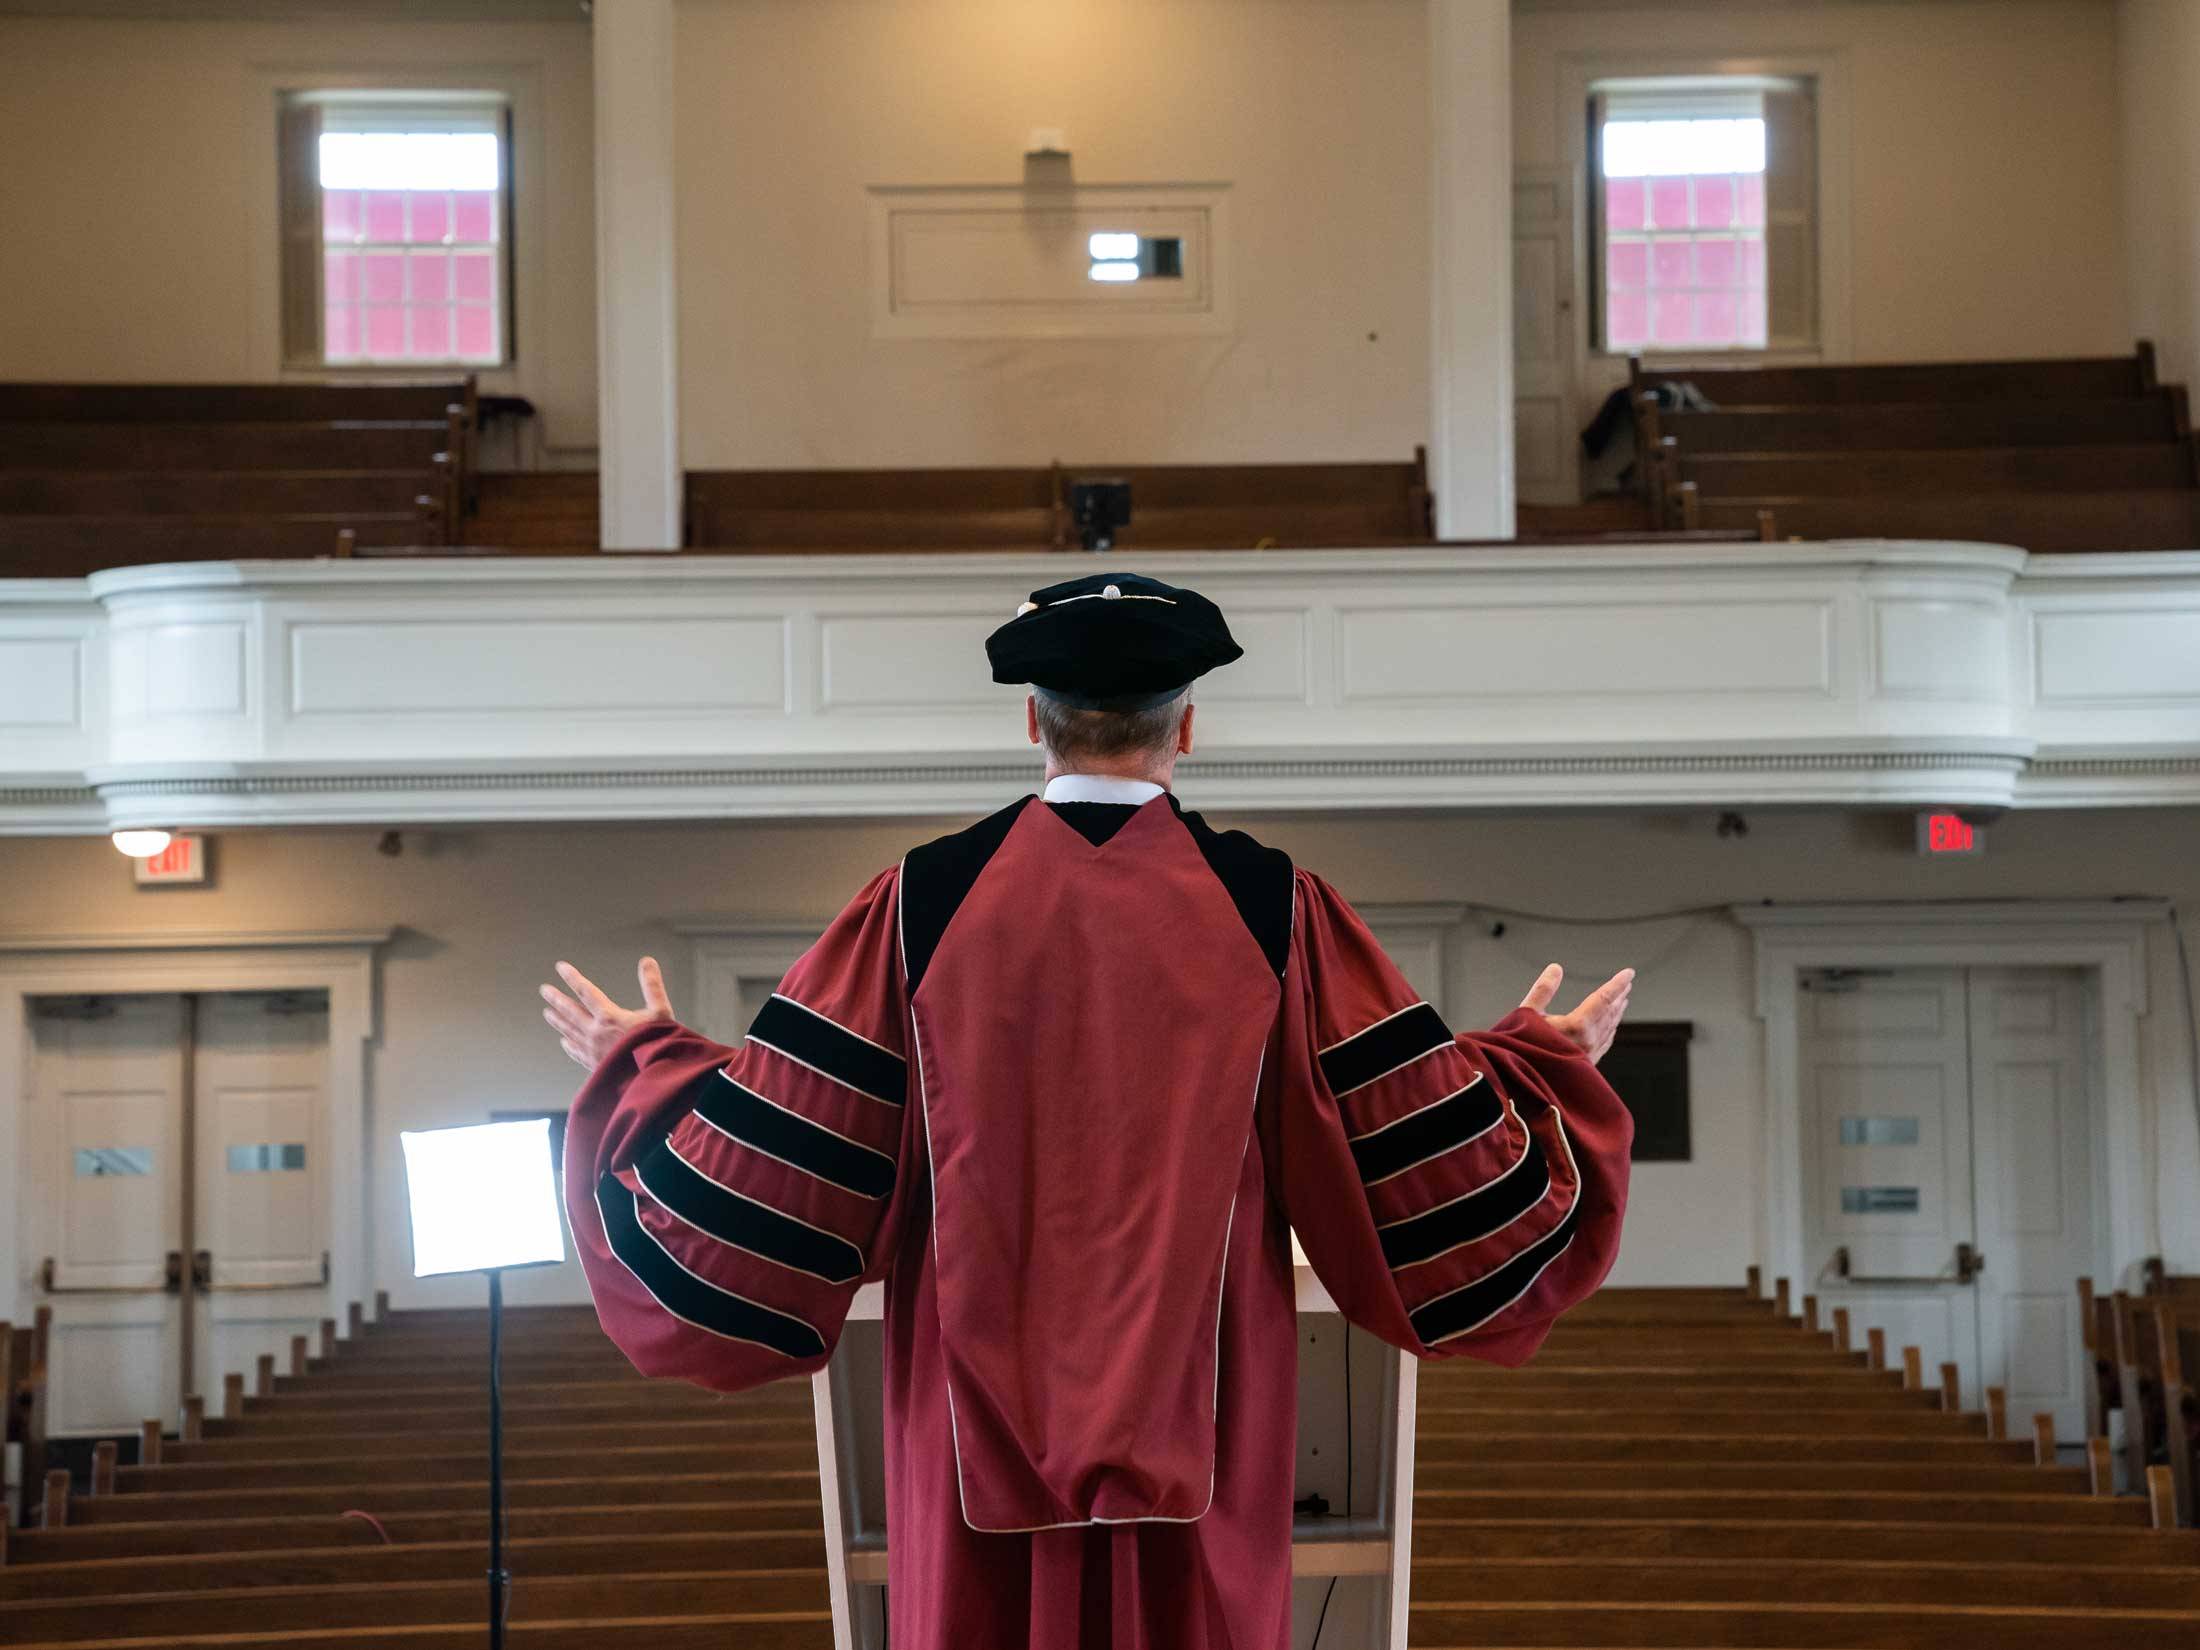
[{"x": 1592, "y": 1026}]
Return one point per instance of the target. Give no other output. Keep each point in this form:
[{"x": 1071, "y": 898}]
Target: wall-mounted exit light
[{"x": 1948, "y": 835}]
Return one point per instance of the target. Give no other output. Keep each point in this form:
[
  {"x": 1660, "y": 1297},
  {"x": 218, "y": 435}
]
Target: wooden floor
[{"x": 1677, "y": 1468}]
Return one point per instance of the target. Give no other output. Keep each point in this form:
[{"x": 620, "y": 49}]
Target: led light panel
[{"x": 483, "y": 1197}]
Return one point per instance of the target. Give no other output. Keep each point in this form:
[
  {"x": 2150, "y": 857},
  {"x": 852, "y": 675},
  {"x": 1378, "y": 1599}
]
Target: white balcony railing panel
[{"x": 691, "y": 686}]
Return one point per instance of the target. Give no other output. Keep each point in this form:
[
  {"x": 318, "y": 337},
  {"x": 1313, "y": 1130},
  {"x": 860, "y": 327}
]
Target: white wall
[
  {"x": 1989, "y": 209},
  {"x": 2159, "y": 64},
  {"x": 138, "y": 193},
  {"x": 485, "y": 913},
  {"x": 1315, "y": 112}
]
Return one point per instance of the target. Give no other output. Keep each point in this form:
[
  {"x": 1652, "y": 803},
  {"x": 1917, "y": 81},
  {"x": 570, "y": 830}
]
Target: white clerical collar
[{"x": 1100, "y": 787}]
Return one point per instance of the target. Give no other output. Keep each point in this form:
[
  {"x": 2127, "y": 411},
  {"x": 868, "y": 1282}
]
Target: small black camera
[{"x": 1099, "y": 508}]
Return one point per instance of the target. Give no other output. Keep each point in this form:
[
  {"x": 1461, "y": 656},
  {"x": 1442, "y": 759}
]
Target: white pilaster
[
  {"x": 637, "y": 302},
  {"x": 1470, "y": 340}
]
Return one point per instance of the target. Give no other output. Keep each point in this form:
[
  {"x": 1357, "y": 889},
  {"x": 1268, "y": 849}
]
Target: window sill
[
  {"x": 500, "y": 374},
  {"x": 1719, "y": 357}
]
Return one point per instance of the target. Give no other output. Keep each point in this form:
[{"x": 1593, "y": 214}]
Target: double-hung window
[
  {"x": 1705, "y": 217},
  {"x": 397, "y": 230}
]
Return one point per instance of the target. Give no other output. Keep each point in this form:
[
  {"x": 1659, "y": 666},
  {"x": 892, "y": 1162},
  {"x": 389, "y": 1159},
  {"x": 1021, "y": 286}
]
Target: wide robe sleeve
[
  {"x": 727, "y": 1202},
  {"x": 1454, "y": 1193}
]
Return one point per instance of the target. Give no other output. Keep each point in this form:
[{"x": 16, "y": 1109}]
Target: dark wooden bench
[
  {"x": 2089, "y": 378},
  {"x": 2161, "y": 464},
  {"x": 1914, "y": 426},
  {"x": 67, "y": 547},
  {"x": 2046, "y": 522},
  {"x": 1210, "y": 506},
  {"x": 2071, "y": 455},
  {"x": 24, "y": 1350},
  {"x": 102, "y": 475},
  {"x": 199, "y": 445}
]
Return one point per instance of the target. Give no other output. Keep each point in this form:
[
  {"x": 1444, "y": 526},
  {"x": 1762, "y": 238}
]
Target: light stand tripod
[
  {"x": 500, "y": 1583},
  {"x": 485, "y": 1199}
]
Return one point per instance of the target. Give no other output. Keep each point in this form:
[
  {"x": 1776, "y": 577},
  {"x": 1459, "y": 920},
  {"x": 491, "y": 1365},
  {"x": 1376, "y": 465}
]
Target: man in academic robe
[{"x": 1066, "y": 1082}]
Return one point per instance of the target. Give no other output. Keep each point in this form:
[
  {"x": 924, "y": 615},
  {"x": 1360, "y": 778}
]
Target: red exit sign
[
  {"x": 1941, "y": 836},
  {"x": 183, "y": 860}
]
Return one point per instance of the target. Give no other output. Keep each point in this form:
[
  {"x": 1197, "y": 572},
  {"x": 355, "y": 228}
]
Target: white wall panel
[
  {"x": 1632, "y": 652},
  {"x": 903, "y": 663},
  {"x": 525, "y": 667},
  {"x": 40, "y": 682},
  {"x": 2121, "y": 654},
  {"x": 1938, "y": 649}
]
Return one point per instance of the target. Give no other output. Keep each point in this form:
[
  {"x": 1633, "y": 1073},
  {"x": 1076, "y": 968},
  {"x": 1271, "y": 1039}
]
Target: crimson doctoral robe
[{"x": 1066, "y": 1087}]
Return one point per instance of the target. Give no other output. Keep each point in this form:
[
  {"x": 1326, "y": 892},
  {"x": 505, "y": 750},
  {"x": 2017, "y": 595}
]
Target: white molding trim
[
  {"x": 341, "y": 963},
  {"x": 1471, "y": 275},
  {"x": 722, "y": 952},
  {"x": 2107, "y": 939},
  {"x": 637, "y": 275}
]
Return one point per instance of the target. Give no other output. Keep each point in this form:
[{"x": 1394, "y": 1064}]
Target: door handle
[
  {"x": 202, "y": 1278},
  {"x": 1969, "y": 1264},
  {"x": 171, "y": 1280}
]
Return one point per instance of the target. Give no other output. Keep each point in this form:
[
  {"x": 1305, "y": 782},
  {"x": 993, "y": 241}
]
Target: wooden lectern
[{"x": 1355, "y": 1559}]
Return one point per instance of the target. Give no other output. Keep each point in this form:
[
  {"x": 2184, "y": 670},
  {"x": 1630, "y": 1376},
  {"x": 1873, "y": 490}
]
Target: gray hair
[{"x": 1069, "y": 733}]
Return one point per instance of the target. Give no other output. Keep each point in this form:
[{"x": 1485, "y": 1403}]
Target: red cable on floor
[{"x": 354, "y": 1512}]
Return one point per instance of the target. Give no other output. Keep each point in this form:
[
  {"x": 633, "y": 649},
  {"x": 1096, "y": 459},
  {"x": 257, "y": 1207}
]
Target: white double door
[
  {"x": 176, "y": 1193},
  {"x": 1948, "y": 1130}
]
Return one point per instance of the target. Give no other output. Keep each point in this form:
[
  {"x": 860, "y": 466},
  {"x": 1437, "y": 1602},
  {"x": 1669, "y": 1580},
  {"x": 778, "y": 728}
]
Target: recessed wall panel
[
  {"x": 1651, "y": 650},
  {"x": 532, "y": 666},
  {"x": 39, "y": 682}
]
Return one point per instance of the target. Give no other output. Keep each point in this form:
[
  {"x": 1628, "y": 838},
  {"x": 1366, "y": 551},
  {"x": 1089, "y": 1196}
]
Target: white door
[
  {"x": 1948, "y": 1182},
  {"x": 104, "y": 1190},
  {"x": 1887, "y": 1161},
  {"x": 176, "y": 1193},
  {"x": 260, "y": 1250},
  {"x": 2032, "y": 1122},
  {"x": 1546, "y": 453}
]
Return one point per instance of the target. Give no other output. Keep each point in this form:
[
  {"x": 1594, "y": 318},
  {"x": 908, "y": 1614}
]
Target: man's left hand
[{"x": 589, "y": 1024}]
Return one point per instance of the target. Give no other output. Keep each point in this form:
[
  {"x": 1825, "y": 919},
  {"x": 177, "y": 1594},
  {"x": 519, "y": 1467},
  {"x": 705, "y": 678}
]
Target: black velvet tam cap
[{"x": 1113, "y": 641}]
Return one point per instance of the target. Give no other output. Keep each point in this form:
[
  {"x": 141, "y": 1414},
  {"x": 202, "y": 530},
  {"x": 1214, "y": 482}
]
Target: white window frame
[
  {"x": 415, "y": 110},
  {"x": 1579, "y": 73},
  {"x": 528, "y": 215}
]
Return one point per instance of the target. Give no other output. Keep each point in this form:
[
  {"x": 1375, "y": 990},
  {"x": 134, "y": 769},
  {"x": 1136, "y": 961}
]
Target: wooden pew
[
  {"x": 1677, "y": 1468},
  {"x": 2046, "y": 522},
  {"x": 1175, "y": 506},
  {"x": 67, "y": 547},
  {"x": 2090, "y": 378},
  {"x": 421, "y": 401},
  {"x": 1899, "y": 426},
  {"x": 213, "y": 444},
  {"x": 1819, "y": 1505},
  {"x": 24, "y": 1350},
  {"x": 409, "y": 492},
  {"x": 2161, "y": 465}
]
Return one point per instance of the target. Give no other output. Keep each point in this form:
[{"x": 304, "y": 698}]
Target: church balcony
[{"x": 1879, "y": 673}]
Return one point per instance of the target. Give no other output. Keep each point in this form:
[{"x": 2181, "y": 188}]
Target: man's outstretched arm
[
  {"x": 726, "y": 1202},
  {"x": 1455, "y": 1193}
]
